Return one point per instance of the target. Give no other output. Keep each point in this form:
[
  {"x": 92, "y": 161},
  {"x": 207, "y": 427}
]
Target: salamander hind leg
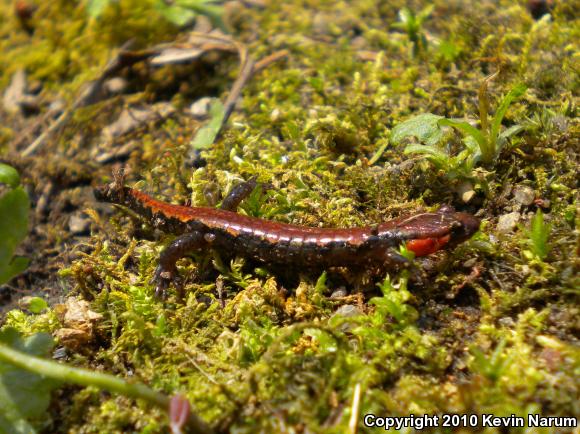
[{"x": 166, "y": 271}]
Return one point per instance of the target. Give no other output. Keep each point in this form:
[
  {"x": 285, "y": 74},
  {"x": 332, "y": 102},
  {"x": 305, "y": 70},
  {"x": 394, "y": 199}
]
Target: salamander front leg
[
  {"x": 237, "y": 194},
  {"x": 166, "y": 271},
  {"x": 240, "y": 192},
  {"x": 394, "y": 260}
]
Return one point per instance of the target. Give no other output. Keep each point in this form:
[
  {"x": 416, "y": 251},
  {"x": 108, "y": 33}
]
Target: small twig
[
  {"x": 474, "y": 274},
  {"x": 266, "y": 61},
  {"x": 204, "y": 42},
  {"x": 33, "y": 129},
  {"x": 246, "y": 70}
]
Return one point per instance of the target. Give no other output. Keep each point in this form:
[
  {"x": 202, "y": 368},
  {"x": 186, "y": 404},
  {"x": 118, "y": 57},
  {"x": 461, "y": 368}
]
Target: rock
[
  {"x": 338, "y": 293},
  {"x": 78, "y": 323},
  {"x": 202, "y": 24},
  {"x": 275, "y": 115},
  {"x": 59, "y": 353},
  {"x": 79, "y": 224},
  {"x": 57, "y": 106},
  {"x": 544, "y": 203},
  {"x": 524, "y": 195},
  {"x": 508, "y": 222},
  {"x": 133, "y": 117},
  {"x": 470, "y": 262},
  {"x": 15, "y": 91},
  {"x": 506, "y": 321},
  {"x": 172, "y": 56},
  {"x": 320, "y": 24},
  {"x": 115, "y": 85},
  {"x": 347, "y": 311},
  {"x": 200, "y": 108},
  {"x": 465, "y": 191},
  {"x": 17, "y": 98},
  {"x": 359, "y": 43},
  {"x": 561, "y": 123}
]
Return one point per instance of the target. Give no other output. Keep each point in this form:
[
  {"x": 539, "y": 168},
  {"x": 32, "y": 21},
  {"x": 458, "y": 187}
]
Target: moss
[{"x": 489, "y": 329}]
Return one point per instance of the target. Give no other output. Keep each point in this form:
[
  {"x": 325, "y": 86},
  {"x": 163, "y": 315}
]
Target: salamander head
[
  {"x": 115, "y": 192},
  {"x": 460, "y": 227},
  {"x": 110, "y": 193},
  {"x": 467, "y": 224}
]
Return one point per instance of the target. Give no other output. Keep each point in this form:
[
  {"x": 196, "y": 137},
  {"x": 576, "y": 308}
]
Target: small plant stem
[
  {"x": 487, "y": 151},
  {"x": 86, "y": 377}
]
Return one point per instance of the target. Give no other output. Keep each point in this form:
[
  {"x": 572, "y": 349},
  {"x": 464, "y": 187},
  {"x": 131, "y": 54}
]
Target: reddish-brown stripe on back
[{"x": 179, "y": 212}]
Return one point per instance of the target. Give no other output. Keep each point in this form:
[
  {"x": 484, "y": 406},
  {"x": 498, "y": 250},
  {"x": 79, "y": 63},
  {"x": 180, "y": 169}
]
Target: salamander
[{"x": 199, "y": 228}]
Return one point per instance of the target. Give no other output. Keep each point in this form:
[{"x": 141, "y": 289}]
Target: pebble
[
  {"x": 200, "y": 108},
  {"x": 506, "y": 321},
  {"x": 79, "y": 224},
  {"x": 115, "y": 85},
  {"x": 347, "y": 311},
  {"x": 470, "y": 262},
  {"x": 508, "y": 222},
  {"x": 339, "y": 293},
  {"x": 275, "y": 115},
  {"x": 524, "y": 195},
  {"x": 465, "y": 191}
]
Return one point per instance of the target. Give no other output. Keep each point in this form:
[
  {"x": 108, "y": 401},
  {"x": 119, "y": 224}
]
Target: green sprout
[
  {"x": 183, "y": 12},
  {"x": 494, "y": 366},
  {"x": 488, "y": 138},
  {"x": 480, "y": 144},
  {"x": 538, "y": 238},
  {"x": 393, "y": 303},
  {"x": 14, "y": 206},
  {"x": 412, "y": 24},
  {"x": 178, "y": 12},
  {"x": 426, "y": 129}
]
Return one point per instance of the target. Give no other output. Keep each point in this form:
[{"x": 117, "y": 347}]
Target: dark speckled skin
[{"x": 275, "y": 242}]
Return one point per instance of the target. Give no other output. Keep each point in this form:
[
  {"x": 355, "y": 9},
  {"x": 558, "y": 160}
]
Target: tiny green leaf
[
  {"x": 206, "y": 135},
  {"x": 177, "y": 15},
  {"x": 378, "y": 154},
  {"x": 95, "y": 8},
  {"x": 469, "y": 130},
  {"x": 466, "y": 128},
  {"x": 14, "y": 207},
  {"x": 425, "y": 13},
  {"x": 24, "y": 396},
  {"x": 439, "y": 158},
  {"x": 208, "y": 8},
  {"x": 407, "y": 17},
  {"x": 424, "y": 127},
  {"x": 320, "y": 286},
  {"x": 37, "y": 305},
  {"x": 516, "y": 92},
  {"x": 9, "y": 175},
  {"x": 539, "y": 234}
]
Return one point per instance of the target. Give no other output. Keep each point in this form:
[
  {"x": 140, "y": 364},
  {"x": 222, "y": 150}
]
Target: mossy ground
[{"x": 492, "y": 328}]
